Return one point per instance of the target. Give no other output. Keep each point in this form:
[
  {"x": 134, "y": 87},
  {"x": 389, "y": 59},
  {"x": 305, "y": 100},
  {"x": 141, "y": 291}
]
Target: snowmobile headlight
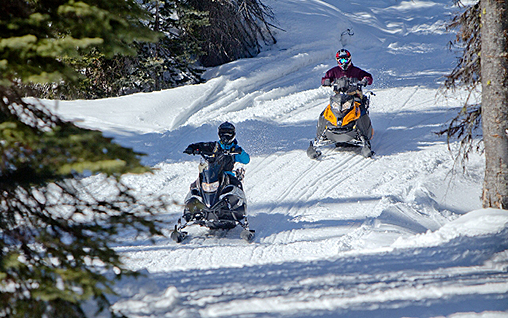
[
  {"x": 210, "y": 187},
  {"x": 347, "y": 105}
]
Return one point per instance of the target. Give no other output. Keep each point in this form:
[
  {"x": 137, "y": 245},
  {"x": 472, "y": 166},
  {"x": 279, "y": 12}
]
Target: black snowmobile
[
  {"x": 345, "y": 121},
  {"x": 214, "y": 201}
]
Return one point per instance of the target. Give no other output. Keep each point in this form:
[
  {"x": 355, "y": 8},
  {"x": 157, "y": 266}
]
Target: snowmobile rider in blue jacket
[{"x": 227, "y": 141}]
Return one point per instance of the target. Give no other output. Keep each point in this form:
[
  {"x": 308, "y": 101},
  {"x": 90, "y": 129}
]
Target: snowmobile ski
[
  {"x": 177, "y": 235},
  {"x": 313, "y": 152},
  {"x": 248, "y": 235}
]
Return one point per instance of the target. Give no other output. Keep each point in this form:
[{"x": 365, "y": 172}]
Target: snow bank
[{"x": 475, "y": 223}]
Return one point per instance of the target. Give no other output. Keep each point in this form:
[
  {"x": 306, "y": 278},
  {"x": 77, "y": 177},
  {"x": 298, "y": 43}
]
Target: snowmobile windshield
[
  {"x": 211, "y": 178},
  {"x": 212, "y": 172},
  {"x": 344, "y": 84},
  {"x": 210, "y": 182}
]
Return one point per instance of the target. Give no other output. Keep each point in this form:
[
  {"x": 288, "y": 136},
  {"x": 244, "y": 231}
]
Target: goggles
[
  {"x": 342, "y": 60},
  {"x": 227, "y": 134}
]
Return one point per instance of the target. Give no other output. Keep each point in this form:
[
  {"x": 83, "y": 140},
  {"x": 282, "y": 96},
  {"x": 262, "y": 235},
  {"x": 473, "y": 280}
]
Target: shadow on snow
[
  {"x": 399, "y": 283},
  {"x": 262, "y": 138}
]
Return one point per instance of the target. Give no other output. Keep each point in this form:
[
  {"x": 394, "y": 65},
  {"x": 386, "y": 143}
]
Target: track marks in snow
[
  {"x": 381, "y": 138},
  {"x": 465, "y": 274},
  {"x": 307, "y": 205},
  {"x": 305, "y": 179}
]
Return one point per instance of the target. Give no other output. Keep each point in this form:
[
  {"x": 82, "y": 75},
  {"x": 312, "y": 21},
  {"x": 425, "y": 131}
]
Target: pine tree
[
  {"x": 494, "y": 66},
  {"x": 483, "y": 29},
  {"x": 466, "y": 74},
  {"x": 194, "y": 34},
  {"x": 56, "y": 227},
  {"x": 168, "y": 62},
  {"x": 172, "y": 60}
]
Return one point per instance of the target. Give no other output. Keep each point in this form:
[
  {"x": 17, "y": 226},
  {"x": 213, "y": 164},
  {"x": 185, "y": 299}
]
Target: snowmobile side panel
[
  {"x": 194, "y": 204},
  {"x": 353, "y": 114},
  {"x": 234, "y": 191},
  {"x": 330, "y": 116}
]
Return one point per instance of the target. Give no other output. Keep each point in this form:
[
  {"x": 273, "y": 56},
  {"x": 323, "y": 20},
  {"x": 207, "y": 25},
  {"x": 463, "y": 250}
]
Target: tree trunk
[{"x": 494, "y": 69}]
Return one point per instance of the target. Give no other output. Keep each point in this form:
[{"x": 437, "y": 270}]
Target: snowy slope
[{"x": 400, "y": 235}]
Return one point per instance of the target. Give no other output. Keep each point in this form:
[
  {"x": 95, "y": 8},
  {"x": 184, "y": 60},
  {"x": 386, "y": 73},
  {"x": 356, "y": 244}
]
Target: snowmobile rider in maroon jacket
[{"x": 345, "y": 68}]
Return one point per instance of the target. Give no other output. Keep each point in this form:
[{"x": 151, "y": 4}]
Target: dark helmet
[
  {"x": 227, "y": 133},
  {"x": 343, "y": 58}
]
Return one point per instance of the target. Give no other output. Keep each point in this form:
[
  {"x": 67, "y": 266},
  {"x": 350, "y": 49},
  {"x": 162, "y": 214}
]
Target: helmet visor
[{"x": 226, "y": 136}]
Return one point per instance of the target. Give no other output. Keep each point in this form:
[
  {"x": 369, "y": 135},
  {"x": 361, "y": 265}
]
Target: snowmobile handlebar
[
  {"x": 208, "y": 154},
  {"x": 346, "y": 84},
  {"x": 216, "y": 155}
]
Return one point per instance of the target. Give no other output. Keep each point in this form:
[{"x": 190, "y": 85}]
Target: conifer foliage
[
  {"x": 193, "y": 34},
  {"x": 173, "y": 58},
  {"x": 197, "y": 34},
  {"x": 466, "y": 74},
  {"x": 56, "y": 227},
  {"x": 168, "y": 62}
]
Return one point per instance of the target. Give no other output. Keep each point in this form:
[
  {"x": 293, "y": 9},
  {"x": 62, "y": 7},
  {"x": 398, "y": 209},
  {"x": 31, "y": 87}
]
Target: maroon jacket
[{"x": 351, "y": 72}]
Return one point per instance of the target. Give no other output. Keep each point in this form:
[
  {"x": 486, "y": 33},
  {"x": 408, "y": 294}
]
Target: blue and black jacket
[{"x": 210, "y": 148}]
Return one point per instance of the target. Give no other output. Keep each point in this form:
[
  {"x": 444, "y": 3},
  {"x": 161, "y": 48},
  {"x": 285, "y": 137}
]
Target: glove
[
  {"x": 191, "y": 149},
  {"x": 326, "y": 82},
  {"x": 240, "y": 173},
  {"x": 235, "y": 150},
  {"x": 364, "y": 82}
]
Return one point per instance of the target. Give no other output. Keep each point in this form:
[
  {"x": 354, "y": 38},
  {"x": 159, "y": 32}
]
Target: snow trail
[{"x": 399, "y": 235}]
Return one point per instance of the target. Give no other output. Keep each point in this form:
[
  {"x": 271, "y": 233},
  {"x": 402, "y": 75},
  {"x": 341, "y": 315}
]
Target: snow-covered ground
[{"x": 399, "y": 235}]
